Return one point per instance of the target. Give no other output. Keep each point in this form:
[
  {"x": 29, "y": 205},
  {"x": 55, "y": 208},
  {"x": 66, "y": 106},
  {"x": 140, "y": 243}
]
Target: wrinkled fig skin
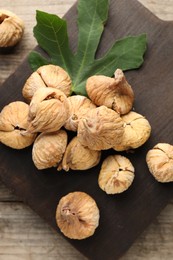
[
  {"x": 79, "y": 106},
  {"x": 33, "y": 83},
  {"x": 47, "y": 76},
  {"x": 78, "y": 157},
  {"x": 101, "y": 129},
  {"x": 160, "y": 162},
  {"x": 13, "y": 125},
  {"x": 116, "y": 174},
  {"x": 137, "y": 130},
  {"x": 114, "y": 93},
  {"x": 11, "y": 29},
  {"x": 77, "y": 215},
  {"x": 48, "y": 149},
  {"x": 48, "y": 110}
]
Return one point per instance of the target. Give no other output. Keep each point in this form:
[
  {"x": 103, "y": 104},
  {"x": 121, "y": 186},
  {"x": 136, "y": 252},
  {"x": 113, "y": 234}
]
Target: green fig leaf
[{"x": 51, "y": 35}]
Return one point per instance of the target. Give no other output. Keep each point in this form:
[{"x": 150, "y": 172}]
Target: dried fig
[
  {"x": 160, "y": 162},
  {"x": 79, "y": 106},
  {"x": 115, "y": 93},
  {"x": 101, "y": 129},
  {"x": 33, "y": 83},
  {"x": 116, "y": 174},
  {"x": 48, "y": 110},
  {"x": 79, "y": 157},
  {"x": 77, "y": 215},
  {"x": 11, "y": 28},
  {"x": 47, "y": 76},
  {"x": 137, "y": 130},
  {"x": 13, "y": 125},
  {"x": 48, "y": 149}
]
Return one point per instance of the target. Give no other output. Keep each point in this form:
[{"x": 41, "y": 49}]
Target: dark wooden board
[{"x": 123, "y": 216}]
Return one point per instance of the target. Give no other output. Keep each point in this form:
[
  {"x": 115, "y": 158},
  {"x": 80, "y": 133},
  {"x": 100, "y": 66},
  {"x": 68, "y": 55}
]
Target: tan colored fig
[
  {"x": 47, "y": 76},
  {"x": 160, "y": 162},
  {"x": 116, "y": 174},
  {"x": 115, "y": 93},
  {"x": 33, "y": 83},
  {"x": 79, "y": 106},
  {"x": 77, "y": 215},
  {"x": 48, "y": 110},
  {"x": 13, "y": 125},
  {"x": 11, "y": 28},
  {"x": 79, "y": 157},
  {"x": 137, "y": 130},
  {"x": 101, "y": 129},
  {"x": 48, "y": 149}
]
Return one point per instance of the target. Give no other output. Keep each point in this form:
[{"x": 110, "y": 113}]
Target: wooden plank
[
  {"x": 27, "y": 12},
  {"x": 6, "y": 195},
  {"x": 129, "y": 258},
  {"x": 162, "y": 9},
  {"x": 156, "y": 241},
  {"x": 25, "y": 236}
]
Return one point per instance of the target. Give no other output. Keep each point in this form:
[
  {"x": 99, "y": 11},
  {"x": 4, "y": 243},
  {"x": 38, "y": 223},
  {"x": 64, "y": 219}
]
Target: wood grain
[{"x": 17, "y": 220}]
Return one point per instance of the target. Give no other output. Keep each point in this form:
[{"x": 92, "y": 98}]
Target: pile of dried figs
[{"x": 103, "y": 120}]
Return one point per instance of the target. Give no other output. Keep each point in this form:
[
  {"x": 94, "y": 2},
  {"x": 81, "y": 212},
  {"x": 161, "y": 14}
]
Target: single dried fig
[
  {"x": 101, "y": 129},
  {"x": 47, "y": 76},
  {"x": 79, "y": 157},
  {"x": 160, "y": 162},
  {"x": 116, "y": 174},
  {"x": 79, "y": 106},
  {"x": 11, "y": 28},
  {"x": 77, "y": 215},
  {"x": 48, "y": 149},
  {"x": 115, "y": 93},
  {"x": 137, "y": 130},
  {"x": 48, "y": 110},
  {"x": 13, "y": 125}
]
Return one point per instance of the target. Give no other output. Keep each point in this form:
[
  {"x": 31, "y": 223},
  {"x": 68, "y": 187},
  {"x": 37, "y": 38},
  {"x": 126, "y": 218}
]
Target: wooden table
[{"x": 23, "y": 235}]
